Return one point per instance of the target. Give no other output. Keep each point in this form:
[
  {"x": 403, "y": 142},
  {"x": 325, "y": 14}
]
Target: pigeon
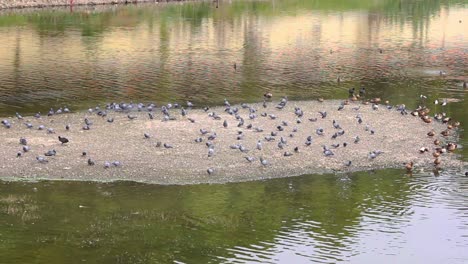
[
  {"x": 167, "y": 145},
  {"x": 146, "y": 135},
  {"x": 210, "y": 171},
  {"x": 67, "y": 127},
  {"x": 210, "y": 152},
  {"x": 225, "y": 124},
  {"x": 347, "y": 163},
  {"x": 323, "y": 114},
  {"x": 259, "y": 145},
  {"x": 250, "y": 159},
  {"x": 212, "y": 136},
  {"x": 28, "y": 125},
  {"x": 88, "y": 122},
  {"x": 362, "y": 91},
  {"x": 356, "y": 139},
  {"x": 63, "y": 140},
  {"x": 41, "y": 159},
  {"x": 23, "y": 141},
  {"x": 263, "y": 161},
  {"x": 287, "y": 154},
  {"x": 319, "y": 131},
  {"x": 50, "y": 153},
  {"x": 26, "y": 149},
  {"x": 107, "y": 165},
  {"x": 116, "y": 163},
  {"x": 19, "y": 154}
]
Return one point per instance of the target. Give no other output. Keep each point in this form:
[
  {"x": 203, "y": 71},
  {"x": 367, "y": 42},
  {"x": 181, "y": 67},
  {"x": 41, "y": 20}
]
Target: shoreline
[
  {"x": 146, "y": 160},
  {"x": 14, "y": 4}
]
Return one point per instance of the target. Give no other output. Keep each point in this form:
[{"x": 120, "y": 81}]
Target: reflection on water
[
  {"x": 168, "y": 52},
  {"x": 173, "y": 52},
  {"x": 358, "y": 218}
]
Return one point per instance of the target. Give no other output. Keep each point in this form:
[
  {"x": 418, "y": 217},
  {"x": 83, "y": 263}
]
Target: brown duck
[{"x": 409, "y": 166}]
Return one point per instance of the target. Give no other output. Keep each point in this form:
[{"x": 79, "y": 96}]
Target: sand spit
[{"x": 399, "y": 138}]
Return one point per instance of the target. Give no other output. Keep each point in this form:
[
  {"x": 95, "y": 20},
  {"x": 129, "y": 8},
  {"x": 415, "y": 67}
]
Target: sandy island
[{"x": 399, "y": 138}]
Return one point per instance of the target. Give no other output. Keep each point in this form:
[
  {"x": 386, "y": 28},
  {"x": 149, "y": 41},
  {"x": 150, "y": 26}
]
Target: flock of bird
[{"x": 210, "y": 138}]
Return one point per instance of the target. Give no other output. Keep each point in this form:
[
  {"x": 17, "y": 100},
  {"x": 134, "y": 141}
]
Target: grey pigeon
[
  {"x": 41, "y": 159},
  {"x": 250, "y": 159},
  {"x": 356, "y": 139},
  {"x": 23, "y": 141},
  {"x": 210, "y": 152},
  {"x": 210, "y": 171},
  {"x": 319, "y": 131},
  {"x": 50, "y": 153},
  {"x": 167, "y": 145}
]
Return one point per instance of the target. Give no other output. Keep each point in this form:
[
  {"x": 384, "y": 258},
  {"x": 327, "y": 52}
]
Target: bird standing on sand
[
  {"x": 41, "y": 159},
  {"x": 23, "y": 141},
  {"x": 63, "y": 140}
]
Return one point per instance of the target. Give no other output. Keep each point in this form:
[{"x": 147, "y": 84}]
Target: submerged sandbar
[{"x": 398, "y": 137}]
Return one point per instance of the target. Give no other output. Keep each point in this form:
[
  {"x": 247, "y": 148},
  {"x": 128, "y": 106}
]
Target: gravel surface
[{"x": 398, "y": 138}]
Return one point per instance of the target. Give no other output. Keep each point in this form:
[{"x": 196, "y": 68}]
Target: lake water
[{"x": 175, "y": 52}]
